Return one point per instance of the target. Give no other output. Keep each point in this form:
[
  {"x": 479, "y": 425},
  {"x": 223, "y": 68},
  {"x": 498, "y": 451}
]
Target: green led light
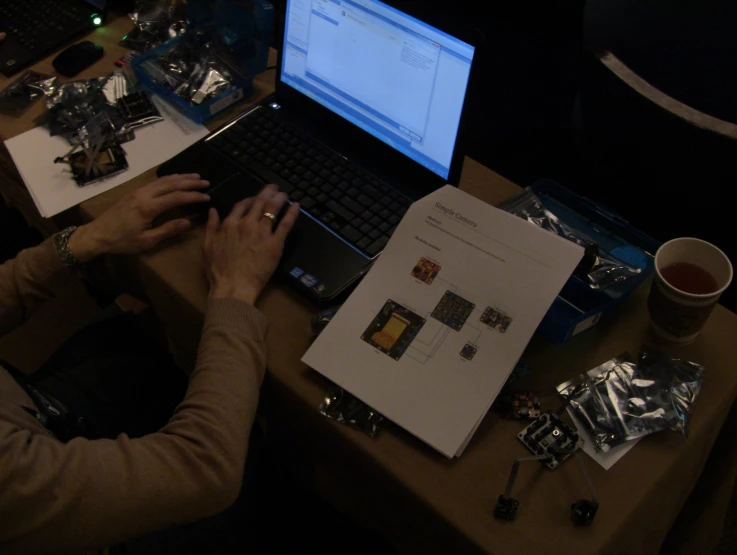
[{"x": 96, "y": 19}]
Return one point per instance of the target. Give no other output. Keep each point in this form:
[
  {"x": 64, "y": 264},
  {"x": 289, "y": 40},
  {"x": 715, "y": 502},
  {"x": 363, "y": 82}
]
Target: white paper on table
[
  {"x": 488, "y": 257},
  {"x": 51, "y": 185},
  {"x": 606, "y": 460}
]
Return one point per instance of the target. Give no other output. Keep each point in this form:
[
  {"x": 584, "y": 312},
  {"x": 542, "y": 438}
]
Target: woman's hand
[
  {"x": 127, "y": 227},
  {"x": 243, "y": 251}
]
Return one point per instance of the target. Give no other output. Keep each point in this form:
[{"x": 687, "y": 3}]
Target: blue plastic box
[
  {"x": 247, "y": 35},
  {"x": 578, "y": 307}
]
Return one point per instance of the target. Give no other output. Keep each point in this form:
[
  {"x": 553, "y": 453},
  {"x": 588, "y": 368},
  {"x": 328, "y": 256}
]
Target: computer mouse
[{"x": 77, "y": 57}]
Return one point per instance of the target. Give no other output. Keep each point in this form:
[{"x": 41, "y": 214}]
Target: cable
[
  {"x": 586, "y": 475},
  {"x": 561, "y": 409},
  {"x": 506, "y": 507},
  {"x": 584, "y": 510},
  {"x": 515, "y": 468}
]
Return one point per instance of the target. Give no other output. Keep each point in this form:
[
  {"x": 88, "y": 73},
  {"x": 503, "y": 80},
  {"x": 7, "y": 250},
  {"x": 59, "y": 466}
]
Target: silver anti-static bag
[{"x": 624, "y": 399}]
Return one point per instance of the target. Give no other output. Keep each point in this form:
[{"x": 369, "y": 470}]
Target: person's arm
[
  {"x": 35, "y": 274},
  {"x": 84, "y": 495},
  {"x": 28, "y": 281}
]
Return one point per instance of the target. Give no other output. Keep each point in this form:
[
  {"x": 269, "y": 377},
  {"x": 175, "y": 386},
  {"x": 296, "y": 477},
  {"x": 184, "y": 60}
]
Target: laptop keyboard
[
  {"x": 41, "y": 24},
  {"x": 344, "y": 197}
]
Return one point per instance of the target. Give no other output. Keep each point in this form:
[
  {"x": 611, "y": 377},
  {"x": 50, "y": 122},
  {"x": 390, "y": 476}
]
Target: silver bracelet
[{"x": 61, "y": 242}]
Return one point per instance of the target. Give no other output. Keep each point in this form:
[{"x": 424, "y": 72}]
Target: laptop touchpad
[{"x": 231, "y": 190}]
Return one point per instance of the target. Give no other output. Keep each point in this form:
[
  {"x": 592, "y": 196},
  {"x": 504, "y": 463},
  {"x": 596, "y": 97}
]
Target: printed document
[
  {"x": 434, "y": 330},
  {"x": 51, "y": 185}
]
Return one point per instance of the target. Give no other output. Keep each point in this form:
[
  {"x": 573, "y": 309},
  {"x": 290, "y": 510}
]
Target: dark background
[{"x": 546, "y": 107}]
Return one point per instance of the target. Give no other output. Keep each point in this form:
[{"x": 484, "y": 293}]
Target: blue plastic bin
[
  {"x": 578, "y": 307},
  {"x": 247, "y": 34}
]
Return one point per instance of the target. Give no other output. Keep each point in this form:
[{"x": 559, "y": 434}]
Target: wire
[
  {"x": 270, "y": 67},
  {"x": 515, "y": 468},
  {"x": 561, "y": 409},
  {"x": 586, "y": 475}
]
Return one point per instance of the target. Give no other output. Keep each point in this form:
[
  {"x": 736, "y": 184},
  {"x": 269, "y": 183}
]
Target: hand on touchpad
[{"x": 231, "y": 190}]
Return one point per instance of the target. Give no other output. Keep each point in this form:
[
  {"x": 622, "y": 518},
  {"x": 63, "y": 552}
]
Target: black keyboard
[
  {"x": 41, "y": 25},
  {"x": 333, "y": 190}
]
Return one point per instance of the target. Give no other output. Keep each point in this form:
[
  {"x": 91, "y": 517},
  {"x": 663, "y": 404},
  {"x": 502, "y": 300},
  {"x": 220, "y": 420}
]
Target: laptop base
[{"x": 317, "y": 264}]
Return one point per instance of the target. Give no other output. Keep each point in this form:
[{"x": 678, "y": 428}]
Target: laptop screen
[{"x": 394, "y": 76}]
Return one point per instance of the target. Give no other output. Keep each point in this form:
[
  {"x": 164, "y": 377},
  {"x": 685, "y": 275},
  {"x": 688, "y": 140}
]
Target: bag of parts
[{"x": 617, "y": 260}]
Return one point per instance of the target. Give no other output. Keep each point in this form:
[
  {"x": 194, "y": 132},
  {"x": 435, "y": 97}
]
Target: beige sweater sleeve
[
  {"x": 85, "y": 494},
  {"x": 27, "y": 282}
]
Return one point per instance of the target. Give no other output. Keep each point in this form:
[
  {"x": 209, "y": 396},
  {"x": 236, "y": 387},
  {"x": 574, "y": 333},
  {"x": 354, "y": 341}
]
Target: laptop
[
  {"x": 36, "y": 27},
  {"x": 366, "y": 118}
]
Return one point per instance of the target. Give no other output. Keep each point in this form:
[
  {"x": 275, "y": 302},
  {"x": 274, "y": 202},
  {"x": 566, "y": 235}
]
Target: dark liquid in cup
[{"x": 689, "y": 278}]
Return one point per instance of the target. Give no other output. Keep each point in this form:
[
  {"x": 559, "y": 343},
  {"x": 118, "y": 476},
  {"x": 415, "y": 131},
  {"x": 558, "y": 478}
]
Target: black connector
[
  {"x": 583, "y": 512},
  {"x": 506, "y": 508}
]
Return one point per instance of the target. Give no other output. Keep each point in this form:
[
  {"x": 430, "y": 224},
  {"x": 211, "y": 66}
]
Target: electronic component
[
  {"x": 340, "y": 405},
  {"x": 426, "y": 270},
  {"x": 96, "y": 153},
  {"x": 393, "y": 329},
  {"x": 109, "y": 161},
  {"x": 453, "y": 311},
  {"x": 137, "y": 107},
  {"x": 496, "y": 319},
  {"x": 583, "y": 512},
  {"x": 520, "y": 405},
  {"x": 550, "y": 436},
  {"x": 468, "y": 351},
  {"x": 506, "y": 508},
  {"x": 126, "y": 59}
]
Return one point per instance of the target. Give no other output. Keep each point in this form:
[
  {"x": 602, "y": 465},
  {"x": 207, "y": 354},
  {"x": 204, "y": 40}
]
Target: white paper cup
[{"x": 678, "y": 316}]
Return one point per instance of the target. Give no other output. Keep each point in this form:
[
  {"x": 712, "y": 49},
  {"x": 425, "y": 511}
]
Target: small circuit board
[
  {"x": 549, "y": 435},
  {"x": 109, "y": 161},
  {"x": 453, "y": 310},
  {"x": 468, "y": 351},
  {"x": 137, "y": 106},
  {"x": 393, "y": 329},
  {"x": 426, "y": 270},
  {"x": 520, "y": 405},
  {"x": 496, "y": 319},
  {"x": 506, "y": 508}
]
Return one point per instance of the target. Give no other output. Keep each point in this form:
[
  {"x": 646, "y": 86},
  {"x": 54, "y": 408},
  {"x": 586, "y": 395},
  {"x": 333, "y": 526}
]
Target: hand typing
[
  {"x": 127, "y": 227},
  {"x": 243, "y": 251}
]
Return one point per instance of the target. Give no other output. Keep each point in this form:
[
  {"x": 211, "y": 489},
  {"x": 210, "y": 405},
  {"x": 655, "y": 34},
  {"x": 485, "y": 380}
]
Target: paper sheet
[
  {"x": 51, "y": 185},
  {"x": 435, "y": 328},
  {"x": 606, "y": 460}
]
